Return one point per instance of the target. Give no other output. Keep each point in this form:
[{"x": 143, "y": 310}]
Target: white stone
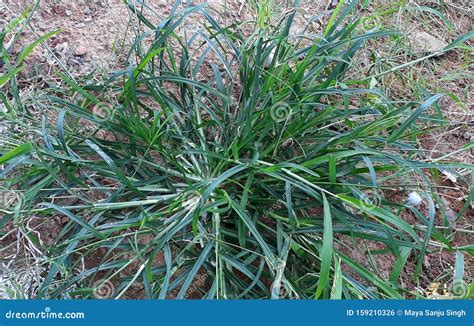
[
  {"x": 424, "y": 42},
  {"x": 414, "y": 199}
]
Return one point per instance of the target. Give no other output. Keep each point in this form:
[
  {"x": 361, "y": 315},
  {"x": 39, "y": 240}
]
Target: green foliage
[{"x": 239, "y": 159}]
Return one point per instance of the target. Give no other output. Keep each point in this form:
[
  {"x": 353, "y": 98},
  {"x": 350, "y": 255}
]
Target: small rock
[
  {"x": 61, "y": 47},
  {"x": 424, "y": 42},
  {"x": 80, "y": 51},
  {"x": 468, "y": 135},
  {"x": 59, "y": 9},
  {"x": 42, "y": 26}
]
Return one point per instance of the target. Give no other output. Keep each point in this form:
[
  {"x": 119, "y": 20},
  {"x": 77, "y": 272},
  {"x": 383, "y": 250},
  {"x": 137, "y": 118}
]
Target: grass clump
[{"x": 223, "y": 165}]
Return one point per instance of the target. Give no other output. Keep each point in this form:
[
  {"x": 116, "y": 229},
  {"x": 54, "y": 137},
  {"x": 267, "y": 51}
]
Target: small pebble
[{"x": 80, "y": 51}]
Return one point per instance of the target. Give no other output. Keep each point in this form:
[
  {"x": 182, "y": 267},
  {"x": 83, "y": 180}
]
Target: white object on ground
[
  {"x": 414, "y": 199},
  {"x": 424, "y": 42},
  {"x": 450, "y": 176},
  {"x": 269, "y": 58}
]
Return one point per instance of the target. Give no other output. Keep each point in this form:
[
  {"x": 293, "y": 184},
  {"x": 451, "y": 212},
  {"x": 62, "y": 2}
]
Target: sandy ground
[{"x": 94, "y": 32}]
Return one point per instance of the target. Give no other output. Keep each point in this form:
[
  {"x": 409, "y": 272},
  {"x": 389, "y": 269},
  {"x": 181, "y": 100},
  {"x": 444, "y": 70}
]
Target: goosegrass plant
[{"x": 227, "y": 166}]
